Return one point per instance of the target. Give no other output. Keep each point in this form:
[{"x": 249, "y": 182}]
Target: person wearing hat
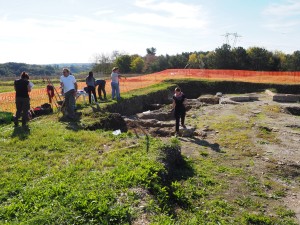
[{"x": 115, "y": 86}]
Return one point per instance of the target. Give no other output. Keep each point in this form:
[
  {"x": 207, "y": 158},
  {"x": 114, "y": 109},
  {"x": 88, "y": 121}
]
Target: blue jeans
[{"x": 115, "y": 88}]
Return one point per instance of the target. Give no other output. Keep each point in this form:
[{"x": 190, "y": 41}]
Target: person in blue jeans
[{"x": 115, "y": 86}]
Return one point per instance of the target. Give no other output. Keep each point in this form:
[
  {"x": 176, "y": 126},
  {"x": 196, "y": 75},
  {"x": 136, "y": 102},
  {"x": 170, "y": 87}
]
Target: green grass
[
  {"x": 60, "y": 173},
  {"x": 5, "y": 117},
  {"x": 8, "y": 86}
]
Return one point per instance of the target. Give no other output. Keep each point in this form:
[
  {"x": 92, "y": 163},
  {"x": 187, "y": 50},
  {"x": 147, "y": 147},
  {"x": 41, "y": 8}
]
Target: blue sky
[{"x": 70, "y": 31}]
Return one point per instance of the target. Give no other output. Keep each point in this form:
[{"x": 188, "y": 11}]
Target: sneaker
[{"x": 183, "y": 126}]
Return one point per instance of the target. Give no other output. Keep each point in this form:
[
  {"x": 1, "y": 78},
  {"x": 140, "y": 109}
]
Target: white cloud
[
  {"x": 103, "y": 12},
  {"x": 71, "y": 40},
  {"x": 284, "y": 17},
  {"x": 286, "y": 9},
  {"x": 168, "y": 14}
]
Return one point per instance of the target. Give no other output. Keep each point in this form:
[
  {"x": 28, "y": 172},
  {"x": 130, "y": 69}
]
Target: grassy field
[{"x": 59, "y": 173}]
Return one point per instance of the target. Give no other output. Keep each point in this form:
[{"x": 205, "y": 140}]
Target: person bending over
[{"x": 101, "y": 89}]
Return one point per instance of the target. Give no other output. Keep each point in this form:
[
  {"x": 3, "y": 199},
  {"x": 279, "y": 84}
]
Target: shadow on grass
[
  {"x": 176, "y": 169},
  {"x": 96, "y": 108},
  {"x": 72, "y": 123},
  {"x": 21, "y": 132},
  {"x": 215, "y": 146}
]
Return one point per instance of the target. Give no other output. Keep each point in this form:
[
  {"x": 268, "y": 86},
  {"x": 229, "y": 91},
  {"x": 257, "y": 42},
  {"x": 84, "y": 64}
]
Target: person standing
[
  {"x": 101, "y": 88},
  {"x": 91, "y": 84},
  {"x": 50, "y": 91},
  {"x": 115, "y": 86},
  {"x": 69, "y": 89},
  {"x": 22, "y": 87},
  {"x": 179, "y": 101}
]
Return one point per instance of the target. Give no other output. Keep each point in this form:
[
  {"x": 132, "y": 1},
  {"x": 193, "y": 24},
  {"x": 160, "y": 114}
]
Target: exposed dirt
[{"x": 278, "y": 154}]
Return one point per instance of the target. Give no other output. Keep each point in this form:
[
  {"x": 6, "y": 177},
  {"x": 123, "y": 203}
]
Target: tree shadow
[
  {"x": 215, "y": 146},
  {"x": 21, "y": 132}
]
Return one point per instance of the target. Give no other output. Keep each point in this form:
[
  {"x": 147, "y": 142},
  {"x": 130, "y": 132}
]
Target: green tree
[
  {"x": 241, "y": 60},
  {"x": 283, "y": 66},
  {"x": 223, "y": 57},
  {"x": 209, "y": 60},
  {"x": 151, "y": 51},
  {"x": 194, "y": 61},
  {"x": 124, "y": 63},
  {"x": 163, "y": 62},
  {"x": 178, "y": 61},
  {"x": 258, "y": 58},
  {"x": 295, "y": 61},
  {"x": 137, "y": 64},
  {"x": 149, "y": 61}
]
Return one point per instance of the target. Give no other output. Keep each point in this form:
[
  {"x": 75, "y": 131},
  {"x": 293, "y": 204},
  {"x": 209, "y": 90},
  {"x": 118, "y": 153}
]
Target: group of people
[
  {"x": 92, "y": 83},
  {"x": 69, "y": 89}
]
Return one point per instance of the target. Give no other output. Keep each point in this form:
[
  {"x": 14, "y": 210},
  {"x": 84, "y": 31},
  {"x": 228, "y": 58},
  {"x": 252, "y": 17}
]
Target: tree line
[
  {"x": 13, "y": 69},
  {"x": 224, "y": 57}
]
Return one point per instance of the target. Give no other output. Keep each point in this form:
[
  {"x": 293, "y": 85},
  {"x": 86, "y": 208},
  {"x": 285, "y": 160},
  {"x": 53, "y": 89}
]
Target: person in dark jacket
[
  {"x": 91, "y": 84},
  {"x": 179, "y": 101},
  {"x": 22, "y": 87}
]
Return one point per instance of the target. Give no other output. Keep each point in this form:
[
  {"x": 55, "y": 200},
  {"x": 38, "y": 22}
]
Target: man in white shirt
[{"x": 69, "y": 89}]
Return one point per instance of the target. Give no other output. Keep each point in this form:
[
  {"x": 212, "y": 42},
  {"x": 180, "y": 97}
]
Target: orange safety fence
[{"x": 39, "y": 96}]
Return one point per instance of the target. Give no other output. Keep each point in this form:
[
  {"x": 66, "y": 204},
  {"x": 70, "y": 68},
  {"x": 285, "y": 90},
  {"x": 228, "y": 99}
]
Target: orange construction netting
[{"x": 39, "y": 96}]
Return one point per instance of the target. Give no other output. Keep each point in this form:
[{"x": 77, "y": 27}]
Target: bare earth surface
[
  {"x": 281, "y": 153},
  {"x": 271, "y": 150}
]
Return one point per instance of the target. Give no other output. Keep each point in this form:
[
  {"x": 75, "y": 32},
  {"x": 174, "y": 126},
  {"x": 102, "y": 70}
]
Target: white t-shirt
[
  {"x": 115, "y": 77},
  {"x": 68, "y": 82}
]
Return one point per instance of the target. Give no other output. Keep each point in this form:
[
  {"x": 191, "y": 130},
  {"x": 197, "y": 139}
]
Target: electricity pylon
[{"x": 234, "y": 38}]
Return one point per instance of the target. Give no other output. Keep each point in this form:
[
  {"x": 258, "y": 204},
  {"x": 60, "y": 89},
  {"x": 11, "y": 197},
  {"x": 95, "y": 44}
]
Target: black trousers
[
  {"x": 179, "y": 115},
  {"x": 23, "y": 106},
  {"x": 101, "y": 88},
  {"x": 91, "y": 90}
]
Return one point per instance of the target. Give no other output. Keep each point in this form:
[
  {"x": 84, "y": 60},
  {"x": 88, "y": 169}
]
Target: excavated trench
[{"x": 151, "y": 113}]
